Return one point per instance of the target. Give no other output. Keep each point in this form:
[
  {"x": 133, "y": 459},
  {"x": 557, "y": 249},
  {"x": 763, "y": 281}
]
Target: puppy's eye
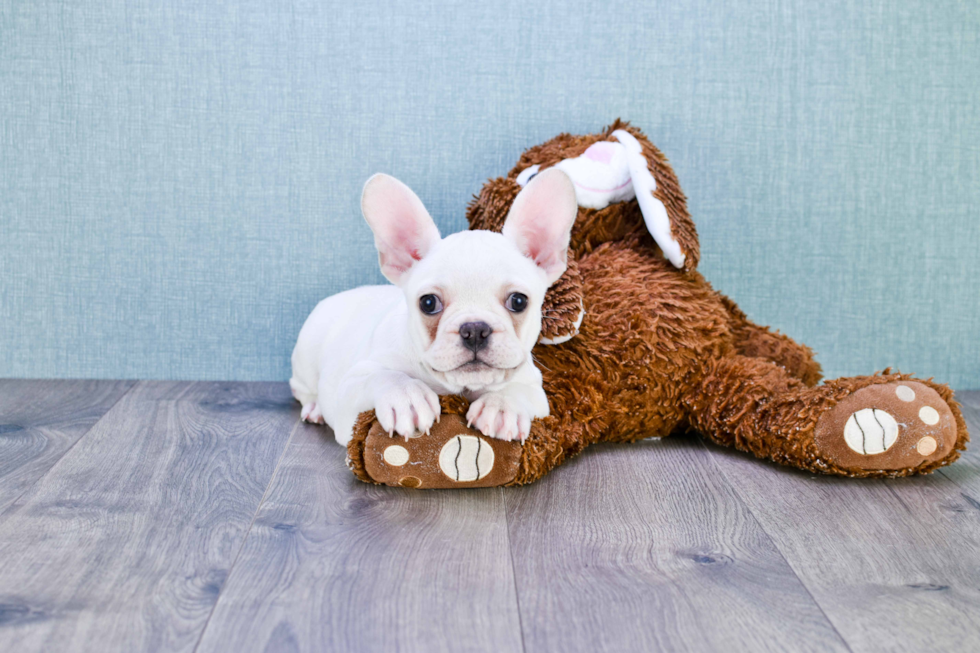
[
  {"x": 430, "y": 304},
  {"x": 516, "y": 302},
  {"x": 527, "y": 174}
]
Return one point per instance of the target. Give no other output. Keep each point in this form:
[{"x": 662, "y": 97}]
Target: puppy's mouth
[
  {"x": 476, "y": 373},
  {"x": 475, "y": 365}
]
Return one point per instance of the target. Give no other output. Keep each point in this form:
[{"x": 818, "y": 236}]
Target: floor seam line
[
  {"x": 755, "y": 518},
  {"x": 6, "y": 512},
  {"x": 968, "y": 409},
  {"x": 248, "y": 532},
  {"x": 513, "y": 570}
]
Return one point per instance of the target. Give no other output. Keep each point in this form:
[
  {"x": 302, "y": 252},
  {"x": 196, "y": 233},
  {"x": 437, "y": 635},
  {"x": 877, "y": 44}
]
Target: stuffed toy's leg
[
  {"x": 882, "y": 425},
  {"x": 757, "y": 341}
]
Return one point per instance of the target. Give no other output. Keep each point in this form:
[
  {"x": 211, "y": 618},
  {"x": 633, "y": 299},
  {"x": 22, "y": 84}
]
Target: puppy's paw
[
  {"x": 407, "y": 407},
  {"x": 501, "y": 416},
  {"x": 311, "y": 413}
]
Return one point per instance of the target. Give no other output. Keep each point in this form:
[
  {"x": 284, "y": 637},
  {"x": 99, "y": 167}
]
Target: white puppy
[{"x": 462, "y": 317}]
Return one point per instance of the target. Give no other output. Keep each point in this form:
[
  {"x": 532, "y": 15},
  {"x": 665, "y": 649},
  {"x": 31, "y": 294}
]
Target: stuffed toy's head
[
  {"x": 623, "y": 184},
  {"x": 625, "y": 190}
]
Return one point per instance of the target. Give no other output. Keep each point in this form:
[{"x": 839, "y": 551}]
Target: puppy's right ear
[
  {"x": 403, "y": 230},
  {"x": 541, "y": 218}
]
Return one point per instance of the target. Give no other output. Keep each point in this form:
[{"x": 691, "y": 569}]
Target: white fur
[
  {"x": 370, "y": 348},
  {"x": 599, "y": 183}
]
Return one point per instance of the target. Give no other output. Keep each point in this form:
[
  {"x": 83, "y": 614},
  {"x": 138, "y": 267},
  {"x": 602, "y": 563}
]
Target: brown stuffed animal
[{"x": 636, "y": 344}]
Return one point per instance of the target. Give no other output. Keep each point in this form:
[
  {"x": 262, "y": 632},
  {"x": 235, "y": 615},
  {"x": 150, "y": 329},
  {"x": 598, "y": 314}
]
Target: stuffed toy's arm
[{"x": 452, "y": 455}]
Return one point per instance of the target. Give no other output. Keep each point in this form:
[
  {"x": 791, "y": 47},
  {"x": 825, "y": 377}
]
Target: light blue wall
[{"x": 179, "y": 178}]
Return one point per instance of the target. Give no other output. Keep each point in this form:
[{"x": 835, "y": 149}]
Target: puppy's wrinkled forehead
[{"x": 475, "y": 265}]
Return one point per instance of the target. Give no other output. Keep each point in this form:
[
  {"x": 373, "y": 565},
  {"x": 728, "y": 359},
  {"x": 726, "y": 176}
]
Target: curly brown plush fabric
[
  {"x": 563, "y": 313},
  {"x": 660, "y": 352}
]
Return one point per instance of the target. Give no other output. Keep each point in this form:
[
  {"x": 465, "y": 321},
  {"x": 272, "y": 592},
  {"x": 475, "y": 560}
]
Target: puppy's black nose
[{"x": 475, "y": 335}]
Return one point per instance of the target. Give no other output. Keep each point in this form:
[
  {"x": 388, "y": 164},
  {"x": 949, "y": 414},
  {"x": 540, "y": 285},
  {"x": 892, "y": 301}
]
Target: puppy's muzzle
[{"x": 475, "y": 335}]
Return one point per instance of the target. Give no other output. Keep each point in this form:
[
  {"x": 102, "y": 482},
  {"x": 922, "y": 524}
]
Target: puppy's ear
[
  {"x": 403, "y": 230},
  {"x": 541, "y": 218}
]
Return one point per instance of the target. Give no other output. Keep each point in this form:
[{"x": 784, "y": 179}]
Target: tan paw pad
[
  {"x": 887, "y": 426},
  {"x": 450, "y": 455}
]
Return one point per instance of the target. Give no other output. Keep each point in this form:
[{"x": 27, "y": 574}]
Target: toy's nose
[
  {"x": 475, "y": 335},
  {"x": 601, "y": 152}
]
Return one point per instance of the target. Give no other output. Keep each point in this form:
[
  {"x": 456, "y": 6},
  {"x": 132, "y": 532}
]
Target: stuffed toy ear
[
  {"x": 403, "y": 230},
  {"x": 564, "y": 308},
  {"x": 540, "y": 221},
  {"x": 671, "y": 227}
]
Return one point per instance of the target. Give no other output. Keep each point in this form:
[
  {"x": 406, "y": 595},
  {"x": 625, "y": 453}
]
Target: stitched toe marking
[
  {"x": 926, "y": 446},
  {"x": 396, "y": 455},
  {"x": 905, "y": 393},
  {"x": 929, "y": 415}
]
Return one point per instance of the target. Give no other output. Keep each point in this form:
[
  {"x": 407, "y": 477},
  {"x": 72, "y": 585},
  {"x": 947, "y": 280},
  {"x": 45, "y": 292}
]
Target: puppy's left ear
[
  {"x": 540, "y": 221},
  {"x": 403, "y": 230}
]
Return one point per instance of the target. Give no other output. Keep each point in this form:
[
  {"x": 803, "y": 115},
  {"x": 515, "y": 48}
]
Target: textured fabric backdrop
[{"x": 179, "y": 179}]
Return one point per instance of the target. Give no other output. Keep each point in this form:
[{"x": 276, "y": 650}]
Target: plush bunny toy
[{"x": 636, "y": 344}]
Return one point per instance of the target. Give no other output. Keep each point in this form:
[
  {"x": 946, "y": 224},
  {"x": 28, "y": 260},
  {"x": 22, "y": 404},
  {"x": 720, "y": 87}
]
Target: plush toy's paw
[
  {"x": 311, "y": 413},
  {"x": 888, "y": 426},
  {"x": 500, "y": 416},
  {"x": 451, "y": 455},
  {"x": 407, "y": 408}
]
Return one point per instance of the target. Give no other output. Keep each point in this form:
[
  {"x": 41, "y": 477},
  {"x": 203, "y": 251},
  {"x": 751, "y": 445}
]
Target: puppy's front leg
[
  {"x": 402, "y": 404},
  {"x": 506, "y": 414}
]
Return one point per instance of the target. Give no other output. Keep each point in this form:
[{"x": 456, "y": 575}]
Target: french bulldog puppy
[{"x": 461, "y": 317}]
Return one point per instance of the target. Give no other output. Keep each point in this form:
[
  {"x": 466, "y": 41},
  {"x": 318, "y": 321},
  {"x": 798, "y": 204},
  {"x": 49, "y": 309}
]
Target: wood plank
[
  {"x": 335, "y": 564},
  {"x": 641, "y": 547},
  {"x": 42, "y": 419},
  {"x": 894, "y": 564},
  {"x": 965, "y": 472},
  {"x": 126, "y": 542}
]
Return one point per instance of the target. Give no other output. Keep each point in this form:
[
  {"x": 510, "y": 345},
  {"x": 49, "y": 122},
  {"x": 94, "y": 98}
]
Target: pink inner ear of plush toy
[{"x": 601, "y": 152}]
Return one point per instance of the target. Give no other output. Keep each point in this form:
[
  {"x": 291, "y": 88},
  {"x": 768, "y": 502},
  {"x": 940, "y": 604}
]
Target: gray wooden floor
[{"x": 205, "y": 516}]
